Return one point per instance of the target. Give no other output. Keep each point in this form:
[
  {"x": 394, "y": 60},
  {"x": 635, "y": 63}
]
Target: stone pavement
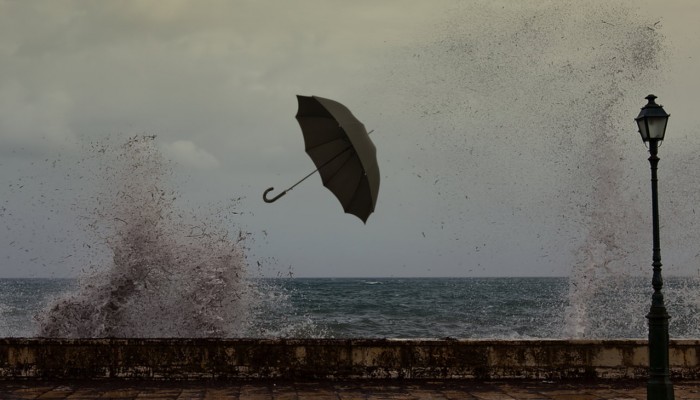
[{"x": 345, "y": 390}]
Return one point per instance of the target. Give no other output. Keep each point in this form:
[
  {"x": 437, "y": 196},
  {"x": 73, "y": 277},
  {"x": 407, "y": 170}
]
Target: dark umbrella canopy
[{"x": 339, "y": 145}]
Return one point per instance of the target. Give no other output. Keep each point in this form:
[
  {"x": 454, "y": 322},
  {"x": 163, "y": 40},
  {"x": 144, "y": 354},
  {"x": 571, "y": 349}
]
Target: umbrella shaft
[{"x": 316, "y": 170}]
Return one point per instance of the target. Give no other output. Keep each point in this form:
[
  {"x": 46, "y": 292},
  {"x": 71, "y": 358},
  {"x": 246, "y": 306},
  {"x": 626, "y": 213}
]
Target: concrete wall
[{"x": 337, "y": 359}]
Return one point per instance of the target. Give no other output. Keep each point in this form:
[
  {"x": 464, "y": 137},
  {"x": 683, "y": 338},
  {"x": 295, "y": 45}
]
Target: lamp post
[{"x": 652, "y": 122}]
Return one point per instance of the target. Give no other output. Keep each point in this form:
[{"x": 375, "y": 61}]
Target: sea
[{"x": 496, "y": 308}]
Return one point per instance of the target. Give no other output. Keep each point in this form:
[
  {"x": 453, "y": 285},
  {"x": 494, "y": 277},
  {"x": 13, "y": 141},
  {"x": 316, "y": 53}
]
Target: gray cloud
[{"x": 215, "y": 81}]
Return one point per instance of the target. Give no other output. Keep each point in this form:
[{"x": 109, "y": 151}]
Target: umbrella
[{"x": 343, "y": 153}]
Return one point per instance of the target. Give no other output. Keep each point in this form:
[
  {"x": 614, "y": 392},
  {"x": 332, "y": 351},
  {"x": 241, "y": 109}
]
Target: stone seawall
[{"x": 189, "y": 359}]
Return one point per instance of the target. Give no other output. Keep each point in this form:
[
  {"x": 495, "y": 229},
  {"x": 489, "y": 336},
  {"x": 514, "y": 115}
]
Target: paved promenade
[{"x": 325, "y": 390}]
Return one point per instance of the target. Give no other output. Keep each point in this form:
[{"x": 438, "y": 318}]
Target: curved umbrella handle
[{"x": 274, "y": 198}]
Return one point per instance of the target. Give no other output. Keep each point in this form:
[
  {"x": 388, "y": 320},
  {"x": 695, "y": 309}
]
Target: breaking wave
[{"x": 171, "y": 273}]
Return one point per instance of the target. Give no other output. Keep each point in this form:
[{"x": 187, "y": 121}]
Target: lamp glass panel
[
  {"x": 643, "y": 129},
  {"x": 657, "y": 127}
]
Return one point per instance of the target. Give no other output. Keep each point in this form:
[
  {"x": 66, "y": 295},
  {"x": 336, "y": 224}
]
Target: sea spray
[
  {"x": 530, "y": 105},
  {"x": 613, "y": 219},
  {"x": 170, "y": 275}
]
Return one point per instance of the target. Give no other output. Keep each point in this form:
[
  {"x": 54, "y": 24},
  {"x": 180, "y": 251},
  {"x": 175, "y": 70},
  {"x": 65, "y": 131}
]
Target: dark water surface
[{"x": 506, "y": 308}]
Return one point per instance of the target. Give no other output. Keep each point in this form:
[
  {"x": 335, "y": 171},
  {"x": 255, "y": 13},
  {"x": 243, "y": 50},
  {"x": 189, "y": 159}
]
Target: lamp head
[{"x": 652, "y": 120}]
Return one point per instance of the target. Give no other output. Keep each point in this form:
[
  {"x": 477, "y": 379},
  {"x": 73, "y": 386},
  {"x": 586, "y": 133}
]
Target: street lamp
[{"x": 652, "y": 122}]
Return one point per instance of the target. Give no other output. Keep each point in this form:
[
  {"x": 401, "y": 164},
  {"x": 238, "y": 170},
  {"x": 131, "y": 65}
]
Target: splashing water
[
  {"x": 531, "y": 105},
  {"x": 170, "y": 275}
]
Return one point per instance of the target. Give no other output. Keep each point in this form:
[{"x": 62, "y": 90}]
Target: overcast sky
[{"x": 504, "y": 130}]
